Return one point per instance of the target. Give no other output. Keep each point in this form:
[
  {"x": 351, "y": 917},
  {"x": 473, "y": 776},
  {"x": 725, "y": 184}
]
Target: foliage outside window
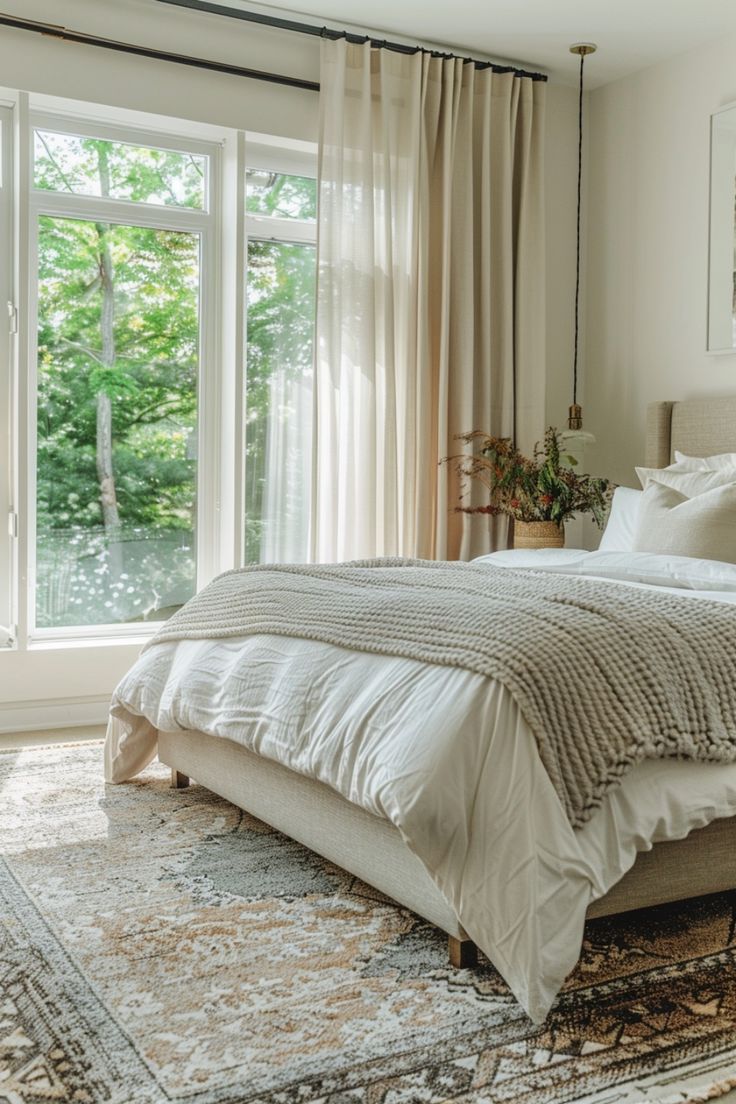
[
  {"x": 117, "y": 170},
  {"x": 128, "y": 488},
  {"x": 280, "y": 195},
  {"x": 118, "y": 351}
]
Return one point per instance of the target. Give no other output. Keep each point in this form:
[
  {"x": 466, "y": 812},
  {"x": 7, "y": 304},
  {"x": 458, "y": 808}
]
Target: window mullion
[
  {"x": 8, "y": 490},
  {"x": 24, "y": 370},
  {"x": 268, "y": 228},
  {"x": 231, "y": 236},
  {"x": 124, "y": 213},
  {"x": 210, "y": 410}
]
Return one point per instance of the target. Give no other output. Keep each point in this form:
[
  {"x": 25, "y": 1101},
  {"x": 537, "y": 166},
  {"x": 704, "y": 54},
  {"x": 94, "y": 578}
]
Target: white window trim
[
  {"x": 269, "y": 228},
  {"x": 8, "y": 326}
]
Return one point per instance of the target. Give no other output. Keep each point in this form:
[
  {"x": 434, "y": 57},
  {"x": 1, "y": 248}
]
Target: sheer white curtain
[
  {"x": 285, "y": 510},
  {"x": 430, "y": 316}
]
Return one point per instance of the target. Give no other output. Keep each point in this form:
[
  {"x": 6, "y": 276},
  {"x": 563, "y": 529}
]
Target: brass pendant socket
[
  {"x": 575, "y": 417},
  {"x": 582, "y": 49}
]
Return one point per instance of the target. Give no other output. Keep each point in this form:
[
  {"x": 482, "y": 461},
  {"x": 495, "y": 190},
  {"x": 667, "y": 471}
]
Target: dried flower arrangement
[{"x": 544, "y": 488}]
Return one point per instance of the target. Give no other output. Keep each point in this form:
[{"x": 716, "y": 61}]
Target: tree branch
[
  {"x": 55, "y": 163},
  {"x": 82, "y": 349},
  {"x": 163, "y": 409}
]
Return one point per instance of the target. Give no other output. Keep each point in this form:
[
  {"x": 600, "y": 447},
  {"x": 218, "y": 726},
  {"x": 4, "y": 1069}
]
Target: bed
[{"x": 661, "y": 859}]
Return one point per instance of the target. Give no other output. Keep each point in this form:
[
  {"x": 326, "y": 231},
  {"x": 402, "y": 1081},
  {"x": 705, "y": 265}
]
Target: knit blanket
[{"x": 605, "y": 675}]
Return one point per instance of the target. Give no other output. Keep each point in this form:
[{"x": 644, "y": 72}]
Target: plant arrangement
[{"x": 543, "y": 488}]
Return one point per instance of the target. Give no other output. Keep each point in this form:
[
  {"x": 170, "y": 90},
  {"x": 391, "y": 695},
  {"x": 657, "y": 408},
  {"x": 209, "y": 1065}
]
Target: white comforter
[{"x": 446, "y": 756}]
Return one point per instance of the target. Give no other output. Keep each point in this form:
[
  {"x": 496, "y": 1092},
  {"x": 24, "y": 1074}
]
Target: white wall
[
  {"x": 37, "y": 64},
  {"x": 52, "y": 686},
  {"x": 647, "y": 240}
]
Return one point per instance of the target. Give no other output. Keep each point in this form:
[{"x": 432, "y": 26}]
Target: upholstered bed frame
[
  {"x": 373, "y": 850},
  {"x": 698, "y": 427}
]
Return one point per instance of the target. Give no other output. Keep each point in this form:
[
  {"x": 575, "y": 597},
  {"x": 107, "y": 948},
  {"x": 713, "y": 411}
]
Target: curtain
[
  {"x": 430, "y": 302},
  {"x": 285, "y": 506},
  {"x": 278, "y": 398}
]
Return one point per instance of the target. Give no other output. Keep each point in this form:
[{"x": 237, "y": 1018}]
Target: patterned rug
[{"x": 160, "y": 945}]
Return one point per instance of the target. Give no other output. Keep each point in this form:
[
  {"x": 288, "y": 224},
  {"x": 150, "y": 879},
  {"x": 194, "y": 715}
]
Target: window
[
  {"x": 157, "y": 395},
  {"x": 281, "y": 274},
  {"x": 117, "y": 170},
  {"x": 121, "y": 232}
]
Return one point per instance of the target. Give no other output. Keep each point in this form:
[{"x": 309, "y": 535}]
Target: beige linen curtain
[{"x": 430, "y": 315}]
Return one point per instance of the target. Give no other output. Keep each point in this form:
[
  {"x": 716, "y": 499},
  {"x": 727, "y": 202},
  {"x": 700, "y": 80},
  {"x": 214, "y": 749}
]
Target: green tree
[
  {"x": 118, "y": 337},
  {"x": 118, "y": 350}
]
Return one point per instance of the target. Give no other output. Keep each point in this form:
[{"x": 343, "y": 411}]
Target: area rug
[{"x": 160, "y": 945}]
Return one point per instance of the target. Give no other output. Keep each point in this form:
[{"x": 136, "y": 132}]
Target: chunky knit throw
[{"x": 605, "y": 674}]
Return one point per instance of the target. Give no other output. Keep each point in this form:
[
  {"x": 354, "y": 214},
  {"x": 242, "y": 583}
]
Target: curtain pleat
[{"x": 430, "y": 313}]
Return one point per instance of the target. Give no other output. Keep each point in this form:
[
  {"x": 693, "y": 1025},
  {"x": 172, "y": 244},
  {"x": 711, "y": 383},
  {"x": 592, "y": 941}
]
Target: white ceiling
[{"x": 630, "y": 34}]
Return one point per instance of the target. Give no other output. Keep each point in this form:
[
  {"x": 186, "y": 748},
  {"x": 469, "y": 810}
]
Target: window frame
[
  {"x": 206, "y": 224},
  {"x": 223, "y": 335},
  {"x": 8, "y": 488}
]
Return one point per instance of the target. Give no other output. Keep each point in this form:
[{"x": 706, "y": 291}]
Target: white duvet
[{"x": 446, "y": 756}]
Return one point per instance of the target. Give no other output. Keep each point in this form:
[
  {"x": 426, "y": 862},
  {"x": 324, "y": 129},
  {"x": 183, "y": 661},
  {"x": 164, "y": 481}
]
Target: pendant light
[{"x": 574, "y": 437}]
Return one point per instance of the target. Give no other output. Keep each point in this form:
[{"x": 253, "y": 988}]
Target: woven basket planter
[{"x": 538, "y": 534}]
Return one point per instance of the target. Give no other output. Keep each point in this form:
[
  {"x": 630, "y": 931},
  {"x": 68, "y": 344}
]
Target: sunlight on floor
[
  {"x": 13, "y": 740},
  {"x": 34, "y": 788}
]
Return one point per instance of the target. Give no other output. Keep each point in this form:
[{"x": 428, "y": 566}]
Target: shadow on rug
[{"x": 160, "y": 945}]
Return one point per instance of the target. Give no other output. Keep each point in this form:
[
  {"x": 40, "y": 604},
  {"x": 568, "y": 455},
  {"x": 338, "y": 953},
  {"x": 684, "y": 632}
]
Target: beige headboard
[{"x": 697, "y": 427}]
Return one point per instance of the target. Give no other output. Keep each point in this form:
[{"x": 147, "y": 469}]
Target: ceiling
[{"x": 630, "y": 34}]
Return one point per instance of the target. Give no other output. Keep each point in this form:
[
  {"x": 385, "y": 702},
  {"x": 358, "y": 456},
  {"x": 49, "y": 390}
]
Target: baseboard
[{"x": 32, "y": 716}]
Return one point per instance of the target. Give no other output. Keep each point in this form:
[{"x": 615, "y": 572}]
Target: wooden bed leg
[
  {"x": 179, "y": 781},
  {"x": 463, "y": 953}
]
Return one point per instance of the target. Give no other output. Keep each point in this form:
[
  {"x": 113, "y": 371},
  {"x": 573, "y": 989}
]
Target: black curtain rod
[
  {"x": 52, "y": 30},
  {"x": 330, "y": 32}
]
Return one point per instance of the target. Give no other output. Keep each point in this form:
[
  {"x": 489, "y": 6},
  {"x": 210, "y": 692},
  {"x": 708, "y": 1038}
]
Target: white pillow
[
  {"x": 708, "y": 463},
  {"x": 618, "y": 536},
  {"x": 684, "y": 572},
  {"x": 534, "y": 557},
  {"x": 689, "y": 483},
  {"x": 670, "y": 523}
]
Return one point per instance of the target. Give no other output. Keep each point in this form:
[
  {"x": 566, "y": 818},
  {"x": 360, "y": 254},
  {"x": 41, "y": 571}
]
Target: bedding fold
[
  {"x": 441, "y": 753},
  {"x": 653, "y": 675},
  {"x": 446, "y": 755}
]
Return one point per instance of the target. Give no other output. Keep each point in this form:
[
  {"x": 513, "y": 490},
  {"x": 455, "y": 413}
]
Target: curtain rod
[
  {"x": 52, "y": 30},
  {"x": 330, "y": 32}
]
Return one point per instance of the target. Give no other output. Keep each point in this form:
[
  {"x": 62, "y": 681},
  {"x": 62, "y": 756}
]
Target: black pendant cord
[{"x": 577, "y": 254}]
